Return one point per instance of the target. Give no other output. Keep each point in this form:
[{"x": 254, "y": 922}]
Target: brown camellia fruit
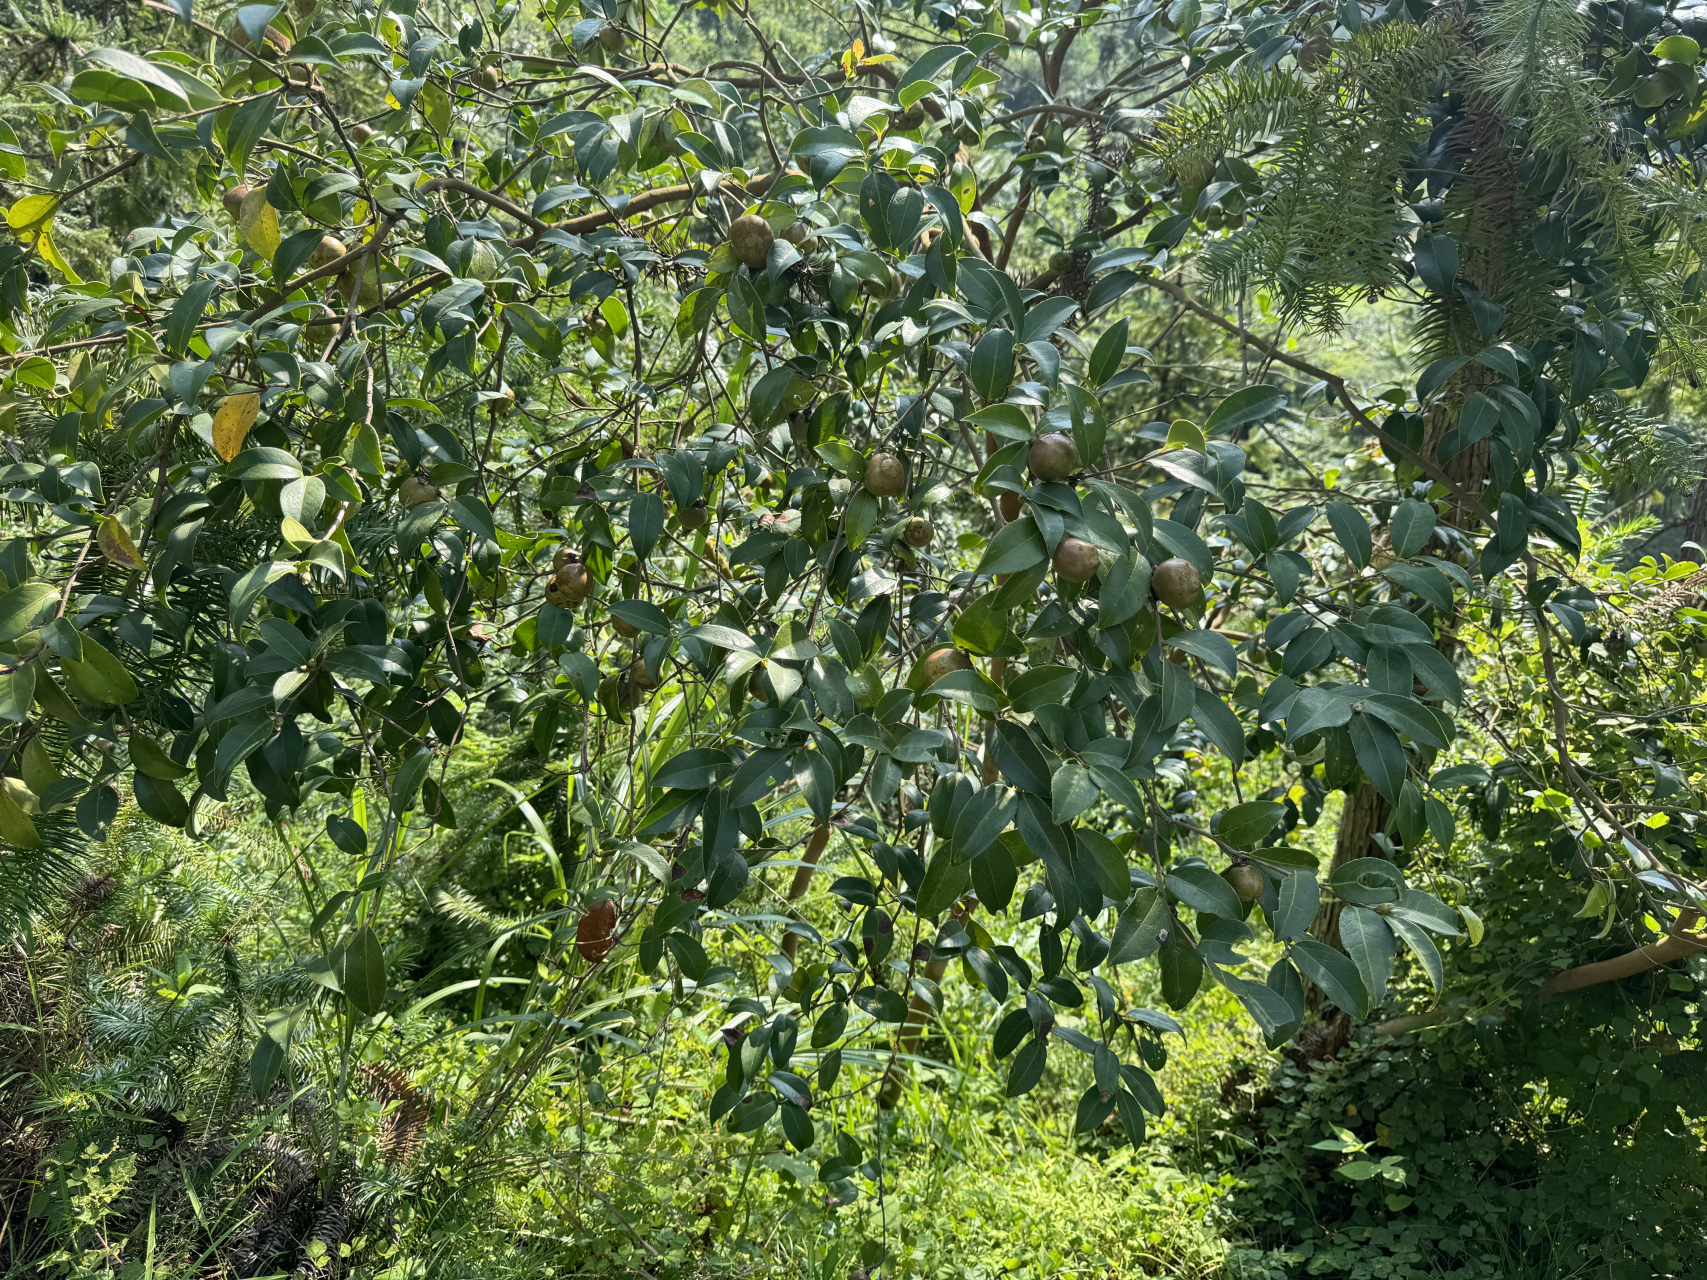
[
  {"x": 918, "y": 532},
  {"x": 942, "y": 663},
  {"x": 569, "y": 586},
  {"x": 414, "y": 491},
  {"x": 751, "y": 237},
  {"x": 640, "y": 679},
  {"x": 1176, "y": 583},
  {"x": 593, "y": 932},
  {"x": 693, "y": 517},
  {"x": 1010, "y": 504},
  {"x": 490, "y": 77},
  {"x": 560, "y": 558},
  {"x": 233, "y": 198},
  {"x": 360, "y": 133},
  {"x": 1054, "y": 457},
  {"x": 885, "y": 476},
  {"x": 1076, "y": 560},
  {"x": 1245, "y": 879}
]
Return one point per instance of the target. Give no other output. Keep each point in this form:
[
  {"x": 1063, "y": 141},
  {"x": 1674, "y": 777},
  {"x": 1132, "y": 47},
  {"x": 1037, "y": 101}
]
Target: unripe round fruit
[
  {"x": 233, "y": 198},
  {"x": 569, "y": 586},
  {"x": 360, "y": 133},
  {"x": 1245, "y": 879},
  {"x": 560, "y": 559},
  {"x": 593, "y": 932},
  {"x": 918, "y": 532},
  {"x": 1054, "y": 457},
  {"x": 908, "y": 118},
  {"x": 414, "y": 491},
  {"x": 1076, "y": 560},
  {"x": 1010, "y": 505},
  {"x": 885, "y": 476},
  {"x": 888, "y": 291},
  {"x": 490, "y": 77},
  {"x": 1014, "y": 32},
  {"x": 330, "y": 249},
  {"x": 693, "y": 517},
  {"x": 364, "y": 290},
  {"x": 751, "y": 237},
  {"x": 627, "y": 630},
  {"x": 1176, "y": 583},
  {"x": 941, "y": 663},
  {"x": 797, "y": 233},
  {"x": 640, "y": 679},
  {"x": 611, "y": 38},
  {"x": 1105, "y": 217},
  {"x": 1061, "y": 260},
  {"x": 1195, "y": 172}
]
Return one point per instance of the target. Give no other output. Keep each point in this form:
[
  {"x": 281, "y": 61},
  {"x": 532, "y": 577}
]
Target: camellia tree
[{"x": 766, "y": 438}]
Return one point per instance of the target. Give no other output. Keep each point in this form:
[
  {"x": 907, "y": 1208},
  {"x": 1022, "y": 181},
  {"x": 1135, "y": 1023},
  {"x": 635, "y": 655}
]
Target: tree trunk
[{"x": 1363, "y": 818}]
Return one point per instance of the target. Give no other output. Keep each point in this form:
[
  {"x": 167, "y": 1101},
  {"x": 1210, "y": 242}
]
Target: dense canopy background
[{"x": 875, "y": 640}]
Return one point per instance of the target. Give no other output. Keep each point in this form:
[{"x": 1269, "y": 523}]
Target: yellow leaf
[
  {"x": 259, "y": 224},
  {"x": 117, "y": 546},
  {"x": 858, "y": 49},
  {"x": 16, "y": 829},
  {"x": 232, "y": 422},
  {"x": 1186, "y": 434},
  {"x": 296, "y": 534},
  {"x": 50, "y": 251},
  {"x": 31, "y": 214}
]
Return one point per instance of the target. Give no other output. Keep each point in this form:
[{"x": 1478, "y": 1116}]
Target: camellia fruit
[
  {"x": 611, "y": 38},
  {"x": 415, "y": 491},
  {"x": 918, "y": 532},
  {"x": 693, "y": 517},
  {"x": 1054, "y": 457},
  {"x": 1245, "y": 879},
  {"x": 360, "y": 133},
  {"x": 624, "y": 628},
  {"x": 569, "y": 586},
  {"x": 233, "y": 198},
  {"x": 329, "y": 250},
  {"x": 1176, "y": 583},
  {"x": 1076, "y": 560},
  {"x": 941, "y": 663},
  {"x": 1010, "y": 505},
  {"x": 751, "y": 237},
  {"x": 885, "y": 476}
]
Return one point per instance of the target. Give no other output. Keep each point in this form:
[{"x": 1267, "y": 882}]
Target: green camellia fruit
[
  {"x": 941, "y": 663},
  {"x": 1245, "y": 879},
  {"x": 885, "y": 476},
  {"x": 751, "y": 237}
]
